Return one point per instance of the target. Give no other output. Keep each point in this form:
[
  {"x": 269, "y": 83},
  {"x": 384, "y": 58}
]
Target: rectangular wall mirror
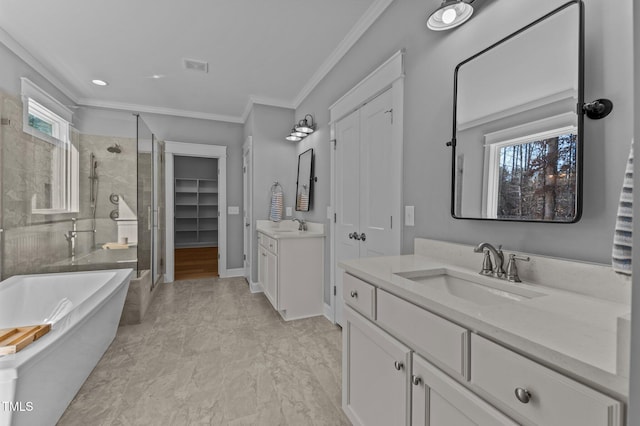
[
  {"x": 304, "y": 182},
  {"x": 517, "y": 134}
]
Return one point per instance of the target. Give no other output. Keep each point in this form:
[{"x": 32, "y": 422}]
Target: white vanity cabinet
[
  {"x": 376, "y": 371},
  {"x": 403, "y": 364},
  {"x": 268, "y": 267},
  {"x": 291, "y": 273},
  {"x": 438, "y": 400}
]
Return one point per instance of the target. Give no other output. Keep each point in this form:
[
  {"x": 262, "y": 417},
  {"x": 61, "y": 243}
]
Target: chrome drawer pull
[
  {"x": 354, "y": 294},
  {"x": 416, "y": 380},
  {"x": 523, "y": 395},
  {"x": 398, "y": 365}
]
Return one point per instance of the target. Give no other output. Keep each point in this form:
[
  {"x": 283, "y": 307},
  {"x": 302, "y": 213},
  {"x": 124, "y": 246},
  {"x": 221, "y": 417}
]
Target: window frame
[
  {"x": 65, "y": 165},
  {"x": 493, "y": 175}
]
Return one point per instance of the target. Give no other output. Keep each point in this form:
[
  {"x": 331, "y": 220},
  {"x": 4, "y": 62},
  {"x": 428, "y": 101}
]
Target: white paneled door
[{"x": 365, "y": 178}]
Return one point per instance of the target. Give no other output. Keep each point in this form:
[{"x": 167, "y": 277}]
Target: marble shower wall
[
  {"x": 116, "y": 175},
  {"x": 30, "y": 241},
  {"x": 35, "y": 243}
]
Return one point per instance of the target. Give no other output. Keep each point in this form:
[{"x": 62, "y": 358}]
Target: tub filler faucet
[{"x": 72, "y": 235}]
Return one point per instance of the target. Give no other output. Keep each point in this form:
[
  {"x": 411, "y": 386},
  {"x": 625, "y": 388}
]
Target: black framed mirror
[
  {"x": 304, "y": 181},
  {"x": 517, "y": 141}
]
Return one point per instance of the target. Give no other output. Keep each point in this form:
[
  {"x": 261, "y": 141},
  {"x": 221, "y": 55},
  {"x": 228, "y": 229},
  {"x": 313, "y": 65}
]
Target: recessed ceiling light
[{"x": 99, "y": 82}]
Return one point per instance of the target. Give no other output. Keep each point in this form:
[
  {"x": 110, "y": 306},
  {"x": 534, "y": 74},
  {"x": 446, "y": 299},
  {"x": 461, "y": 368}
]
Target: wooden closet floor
[{"x": 197, "y": 262}]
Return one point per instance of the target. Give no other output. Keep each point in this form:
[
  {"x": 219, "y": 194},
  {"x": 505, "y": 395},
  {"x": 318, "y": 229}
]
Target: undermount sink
[
  {"x": 474, "y": 288},
  {"x": 278, "y": 231}
]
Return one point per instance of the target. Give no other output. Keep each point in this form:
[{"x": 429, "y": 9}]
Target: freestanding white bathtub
[{"x": 38, "y": 383}]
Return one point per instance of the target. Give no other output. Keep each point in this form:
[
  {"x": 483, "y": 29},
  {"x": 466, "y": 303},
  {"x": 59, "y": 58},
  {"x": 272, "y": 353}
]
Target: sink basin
[
  {"x": 279, "y": 231},
  {"x": 474, "y": 288}
]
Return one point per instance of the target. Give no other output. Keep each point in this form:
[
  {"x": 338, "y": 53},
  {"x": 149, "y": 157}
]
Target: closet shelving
[{"x": 196, "y": 212}]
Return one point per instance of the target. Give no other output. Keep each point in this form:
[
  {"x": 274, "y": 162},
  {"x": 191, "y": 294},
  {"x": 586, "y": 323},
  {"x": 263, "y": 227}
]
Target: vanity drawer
[
  {"x": 269, "y": 243},
  {"x": 360, "y": 295},
  {"x": 442, "y": 342},
  {"x": 554, "y": 398}
]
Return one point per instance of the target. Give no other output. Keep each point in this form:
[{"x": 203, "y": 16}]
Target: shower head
[{"x": 116, "y": 149}]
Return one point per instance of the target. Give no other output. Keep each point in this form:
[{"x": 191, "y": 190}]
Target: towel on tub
[
  {"x": 622, "y": 239},
  {"x": 63, "y": 307}
]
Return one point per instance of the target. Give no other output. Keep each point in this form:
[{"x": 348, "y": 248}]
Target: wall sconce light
[
  {"x": 301, "y": 130},
  {"x": 294, "y": 136},
  {"x": 450, "y": 14}
]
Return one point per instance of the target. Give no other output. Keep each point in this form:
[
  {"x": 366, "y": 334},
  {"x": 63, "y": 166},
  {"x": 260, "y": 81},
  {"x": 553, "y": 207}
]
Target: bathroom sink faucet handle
[
  {"x": 487, "y": 265},
  {"x": 512, "y": 269}
]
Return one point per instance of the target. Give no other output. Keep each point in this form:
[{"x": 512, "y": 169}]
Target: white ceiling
[{"x": 267, "y": 51}]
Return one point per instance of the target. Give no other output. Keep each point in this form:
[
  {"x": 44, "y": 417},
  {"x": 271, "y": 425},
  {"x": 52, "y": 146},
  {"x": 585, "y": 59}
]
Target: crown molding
[
  {"x": 96, "y": 103},
  {"x": 259, "y": 100},
  {"x": 370, "y": 16},
  {"x": 29, "y": 59}
]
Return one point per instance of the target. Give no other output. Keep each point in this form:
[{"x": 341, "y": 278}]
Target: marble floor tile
[{"x": 210, "y": 352}]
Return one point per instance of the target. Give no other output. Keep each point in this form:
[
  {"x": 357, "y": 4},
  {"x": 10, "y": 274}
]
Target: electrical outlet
[
  {"x": 409, "y": 216},
  {"x": 289, "y": 211},
  {"x": 233, "y": 210}
]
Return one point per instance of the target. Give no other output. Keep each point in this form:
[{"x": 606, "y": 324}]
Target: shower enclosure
[{"x": 73, "y": 204}]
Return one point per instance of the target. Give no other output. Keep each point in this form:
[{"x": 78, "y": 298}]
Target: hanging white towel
[
  {"x": 622, "y": 239},
  {"x": 275, "y": 213}
]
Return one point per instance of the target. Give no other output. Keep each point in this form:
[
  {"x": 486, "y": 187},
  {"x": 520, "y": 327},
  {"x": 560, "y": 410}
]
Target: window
[
  {"x": 55, "y": 156},
  {"x": 534, "y": 177}
]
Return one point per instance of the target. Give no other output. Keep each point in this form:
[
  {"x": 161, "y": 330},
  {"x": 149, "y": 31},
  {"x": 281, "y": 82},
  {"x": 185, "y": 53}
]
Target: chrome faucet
[
  {"x": 303, "y": 224},
  {"x": 498, "y": 256},
  {"x": 72, "y": 235}
]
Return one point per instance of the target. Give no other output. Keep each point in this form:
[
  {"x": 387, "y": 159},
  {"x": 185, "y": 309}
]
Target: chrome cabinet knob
[
  {"x": 354, "y": 294},
  {"x": 363, "y": 236},
  {"x": 398, "y": 365},
  {"x": 523, "y": 395},
  {"x": 351, "y": 235},
  {"x": 416, "y": 380}
]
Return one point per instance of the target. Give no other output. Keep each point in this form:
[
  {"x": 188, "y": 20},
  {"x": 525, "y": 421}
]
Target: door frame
[
  {"x": 247, "y": 186},
  {"x": 388, "y": 76},
  {"x": 185, "y": 149}
]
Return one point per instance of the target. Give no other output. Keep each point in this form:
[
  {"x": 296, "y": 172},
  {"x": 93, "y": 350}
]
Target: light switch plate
[
  {"x": 233, "y": 210},
  {"x": 289, "y": 211},
  {"x": 409, "y": 216}
]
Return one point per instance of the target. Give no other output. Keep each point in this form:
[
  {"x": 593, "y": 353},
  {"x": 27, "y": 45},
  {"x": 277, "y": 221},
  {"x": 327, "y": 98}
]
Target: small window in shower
[{"x": 56, "y": 184}]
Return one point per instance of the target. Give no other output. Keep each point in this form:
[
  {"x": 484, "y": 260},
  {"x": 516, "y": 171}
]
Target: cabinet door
[
  {"x": 271, "y": 277},
  {"x": 376, "y": 373},
  {"x": 262, "y": 266},
  {"x": 438, "y": 400}
]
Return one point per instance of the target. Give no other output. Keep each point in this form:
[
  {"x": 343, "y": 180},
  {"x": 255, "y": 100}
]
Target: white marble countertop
[
  {"x": 572, "y": 333},
  {"x": 289, "y": 229}
]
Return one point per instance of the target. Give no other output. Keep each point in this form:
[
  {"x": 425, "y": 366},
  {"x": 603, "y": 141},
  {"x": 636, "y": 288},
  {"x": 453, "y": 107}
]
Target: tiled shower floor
[{"x": 210, "y": 352}]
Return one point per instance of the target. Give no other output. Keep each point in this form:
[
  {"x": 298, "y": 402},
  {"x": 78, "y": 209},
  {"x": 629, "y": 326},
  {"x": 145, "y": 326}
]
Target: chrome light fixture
[
  {"x": 294, "y": 136},
  {"x": 302, "y": 129},
  {"x": 306, "y": 126},
  {"x": 450, "y": 14}
]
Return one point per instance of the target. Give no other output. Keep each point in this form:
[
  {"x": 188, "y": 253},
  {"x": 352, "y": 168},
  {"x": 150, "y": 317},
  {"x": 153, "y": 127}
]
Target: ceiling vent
[{"x": 195, "y": 65}]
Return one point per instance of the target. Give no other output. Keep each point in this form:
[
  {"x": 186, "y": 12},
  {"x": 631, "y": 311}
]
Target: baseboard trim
[
  {"x": 328, "y": 313},
  {"x": 255, "y": 287},
  {"x": 237, "y": 272}
]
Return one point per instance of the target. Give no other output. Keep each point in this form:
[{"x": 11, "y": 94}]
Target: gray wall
[
  {"x": 13, "y": 68},
  {"x": 274, "y": 158},
  {"x": 191, "y": 130},
  {"x": 429, "y": 63},
  {"x": 195, "y": 167},
  {"x": 105, "y": 122}
]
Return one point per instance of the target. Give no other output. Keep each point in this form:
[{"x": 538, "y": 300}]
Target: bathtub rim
[{"x": 11, "y": 365}]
